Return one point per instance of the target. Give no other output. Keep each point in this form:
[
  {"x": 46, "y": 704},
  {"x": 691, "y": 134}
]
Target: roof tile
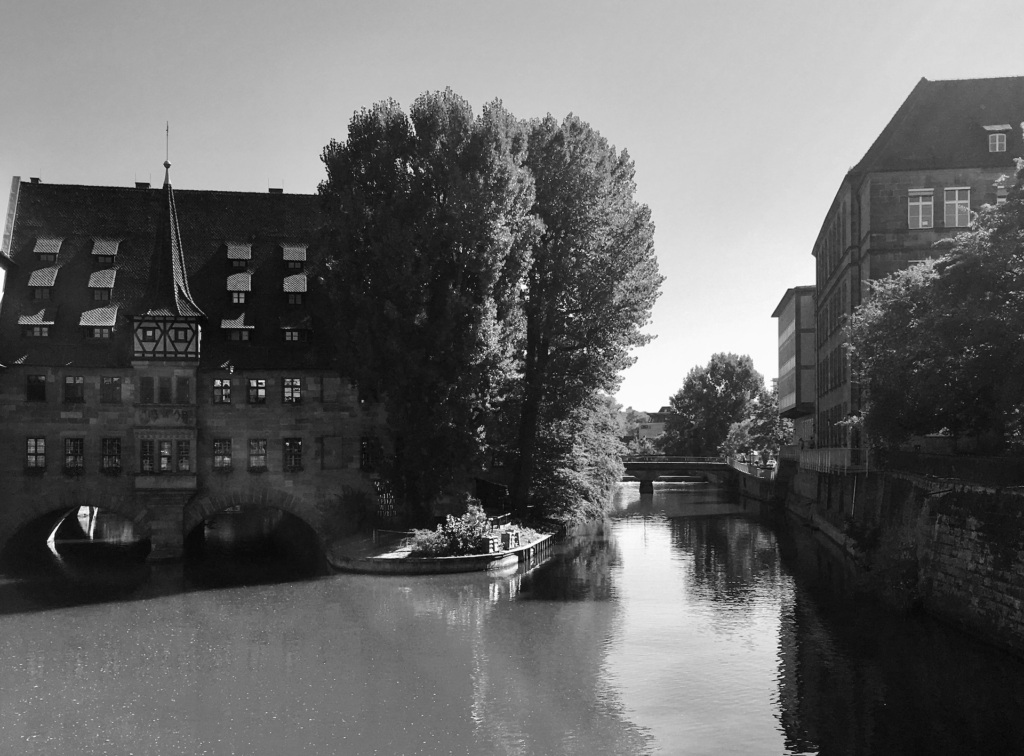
[
  {"x": 101, "y": 316},
  {"x": 295, "y": 284},
  {"x": 43, "y": 277},
  {"x": 102, "y": 279},
  {"x": 240, "y": 282}
]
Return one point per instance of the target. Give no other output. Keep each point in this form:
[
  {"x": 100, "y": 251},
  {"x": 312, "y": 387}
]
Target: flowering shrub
[{"x": 454, "y": 537}]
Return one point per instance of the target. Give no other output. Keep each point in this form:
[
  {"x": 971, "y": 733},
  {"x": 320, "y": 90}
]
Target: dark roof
[
  {"x": 941, "y": 124},
  {"x": 172, "y": 259}
]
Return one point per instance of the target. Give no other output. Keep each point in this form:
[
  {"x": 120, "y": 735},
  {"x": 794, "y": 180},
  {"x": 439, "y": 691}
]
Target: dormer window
[
  {"x": 239, "y": 254},
  {"x": 238, "y": 329},
  {"x": 37, "y": 332},
  {"x": 98, "y": 323},
  {"x": 99, "y": 332},
  {"x": 101, "y": 295},
  {"x": 47, "y": 248},
  {"x": 295, "y": 298},
  {"x": 997, "y": 136},
  {"x": 294, "y": 256},
  {"x": 41, "y": 282},
  {"x": 104, "y": 251},
  {"x": 101, "y": 282},
  {"x": 239, "y": 285}
]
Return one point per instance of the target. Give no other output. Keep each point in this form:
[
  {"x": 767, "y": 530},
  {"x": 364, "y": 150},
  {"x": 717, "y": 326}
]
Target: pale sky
[{"x": 742, "y": 117}]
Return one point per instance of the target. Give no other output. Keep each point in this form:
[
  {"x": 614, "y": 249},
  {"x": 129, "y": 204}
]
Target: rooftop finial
[{"x": 167, "y": 157}]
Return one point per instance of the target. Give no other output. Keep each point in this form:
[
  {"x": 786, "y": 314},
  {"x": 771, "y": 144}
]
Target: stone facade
[{"x": 185, "y": 404}]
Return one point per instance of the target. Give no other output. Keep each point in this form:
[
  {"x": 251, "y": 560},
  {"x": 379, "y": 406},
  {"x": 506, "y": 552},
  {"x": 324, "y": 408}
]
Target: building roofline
[{"x": 790, "y": 293}]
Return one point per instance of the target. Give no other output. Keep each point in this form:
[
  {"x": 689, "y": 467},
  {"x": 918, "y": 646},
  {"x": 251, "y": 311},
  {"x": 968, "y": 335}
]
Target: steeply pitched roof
[
  {"x": 169, "y": 294},
  {"x": 941, "y": 124},
  {"x": 138, "y": 217}
]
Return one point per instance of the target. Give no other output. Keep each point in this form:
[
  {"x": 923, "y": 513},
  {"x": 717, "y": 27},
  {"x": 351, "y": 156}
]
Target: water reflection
[{"x": 687, "y": 624}]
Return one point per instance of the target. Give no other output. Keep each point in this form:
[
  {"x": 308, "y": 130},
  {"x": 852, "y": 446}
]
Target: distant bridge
[{"x": 648, "y": 469}]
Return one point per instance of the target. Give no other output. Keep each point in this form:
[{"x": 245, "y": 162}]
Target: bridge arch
[
  {"x": 206, "y": 506},
  {"x": 50, "y": 508}
]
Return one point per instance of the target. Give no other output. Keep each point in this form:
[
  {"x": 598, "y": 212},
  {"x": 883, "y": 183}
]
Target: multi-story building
[
  {"x": 165, "y": 355},
  {"x": 797, "y": 356},
  {"x": 947, "y": 151}
]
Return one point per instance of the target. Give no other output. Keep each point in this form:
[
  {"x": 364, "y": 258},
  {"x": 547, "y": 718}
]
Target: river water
[{"x": 688, "y": 625}]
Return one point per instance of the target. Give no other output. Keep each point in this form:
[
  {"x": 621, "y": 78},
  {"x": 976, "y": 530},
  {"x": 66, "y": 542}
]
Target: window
[
  {"x": 163, "y": 390},
  {"x": 257, "y": 454},
  {"x": 47, "y": 257},
  {"x": 149, "y": 334},
  {"x": 238, "y": 297},
  {"x": 257, "y": 391},
  {"x": 39, "y": 332},
  {"x": 294, "y": 335},
  {"x": 103, "y": 261},
  {"x": 146, "y": 390},
  {"x": 74, "y": 389},
  {"x": 146, "y": 456},
  {"x": 292, "y": 454},
  {"x": 292, "y": 391},
  {"x": 222, "y": 391},
  {"x": 101, "y": 295},
  {"x": 238, "y": 334},
  {"x": 997, "y": 142},
  {"x": 222, "y": 454},
  {"x": 110, "y": 461},
  {"x": 293, "y": 264},
  {"x": 98, "y": 332},
  {"x": 74, "y": 455},
  {"x": 35, "y": 453},
  {"x": 165, "y": 456},
  {"x": 184, "y": 456},
  {"x": 919, "y": 212},
  {"x": 239, "y": 263},
  {"x": 40, "y": 292},
  {"x": 184, "y": 390},
  {"x": 110, "y": 390},
  {"x": 36, "y": 389},
  {"x": 958, "y": 207},
  {"x": 295, "y": 298},
  {"x": 179, "y": 334}
]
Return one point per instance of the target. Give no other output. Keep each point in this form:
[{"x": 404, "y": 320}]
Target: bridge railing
[{"x": 660, "y": 458}]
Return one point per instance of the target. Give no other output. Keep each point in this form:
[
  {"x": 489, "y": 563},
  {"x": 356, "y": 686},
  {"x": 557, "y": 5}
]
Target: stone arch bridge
[{"x": 164, "y": 518}]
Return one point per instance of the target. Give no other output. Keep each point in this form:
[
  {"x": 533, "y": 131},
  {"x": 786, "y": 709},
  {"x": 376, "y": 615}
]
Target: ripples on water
[{"x": 685, "y": 626}]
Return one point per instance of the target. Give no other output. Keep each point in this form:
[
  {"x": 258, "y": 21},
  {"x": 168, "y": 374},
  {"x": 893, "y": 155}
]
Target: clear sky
[{"x": 742, "y": 116}]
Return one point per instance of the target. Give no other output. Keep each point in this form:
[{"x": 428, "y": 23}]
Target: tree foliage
[
  {"x": 590, "y": 287},
  {"x": 429, "y": 218},
  {"x": 489, "y": 278},
  {"x": 762, "y": 430},
  {"x": 711, "y": 399},
  {"x": 940, "y": 346}
]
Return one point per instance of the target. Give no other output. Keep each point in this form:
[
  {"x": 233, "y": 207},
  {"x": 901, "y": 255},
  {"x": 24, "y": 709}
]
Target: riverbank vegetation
[
  {"x": 724, "y": 408},
  {"x": 937, "y": 348},
  {"x": 462, "y": 536},
  {"x": 489, "y": 277}
]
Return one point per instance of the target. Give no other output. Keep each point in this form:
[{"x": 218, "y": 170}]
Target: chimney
[
  {"x": 142, "y": 185},
  {"x": 34, "y": 180},
  {"x": 274, "y": 190}
]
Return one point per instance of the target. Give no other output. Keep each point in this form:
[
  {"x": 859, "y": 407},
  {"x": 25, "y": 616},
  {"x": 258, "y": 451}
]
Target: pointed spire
[{"x": 169, "y": 290}]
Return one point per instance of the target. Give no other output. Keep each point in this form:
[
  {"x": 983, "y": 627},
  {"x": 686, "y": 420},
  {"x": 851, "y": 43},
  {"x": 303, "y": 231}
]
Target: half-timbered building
[{"x": 164, "y": 356}]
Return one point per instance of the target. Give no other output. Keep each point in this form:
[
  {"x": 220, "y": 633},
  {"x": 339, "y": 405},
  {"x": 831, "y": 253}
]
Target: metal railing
[{"x": 660, "y": 458}]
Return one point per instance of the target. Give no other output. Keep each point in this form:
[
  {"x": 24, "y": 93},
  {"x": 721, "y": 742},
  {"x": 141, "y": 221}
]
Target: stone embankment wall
[{"x": 954, "y": 549}]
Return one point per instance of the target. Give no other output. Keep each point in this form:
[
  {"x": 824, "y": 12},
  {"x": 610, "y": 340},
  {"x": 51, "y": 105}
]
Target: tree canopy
[
  {"x": 939, "y": 347},
  {"x": 489, "y": 278},
  {"x": 711, "y": 399}
]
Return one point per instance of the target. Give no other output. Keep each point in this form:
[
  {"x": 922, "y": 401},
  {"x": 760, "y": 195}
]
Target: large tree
[
  {"x": 429, "y": 234},
  {"x": 592, "y": 281},
  {"x": 711, "y": 399},
  {"x": 938, "y": 347}
]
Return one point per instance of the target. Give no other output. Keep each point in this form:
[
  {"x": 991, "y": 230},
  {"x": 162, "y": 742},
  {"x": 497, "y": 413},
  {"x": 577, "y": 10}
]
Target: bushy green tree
[
  {"x": 591, "y": 284},
  {"x": 429, "y": 228},
  {"x": 711, "y": 399},
  {"x": 940, "y": 346}
]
